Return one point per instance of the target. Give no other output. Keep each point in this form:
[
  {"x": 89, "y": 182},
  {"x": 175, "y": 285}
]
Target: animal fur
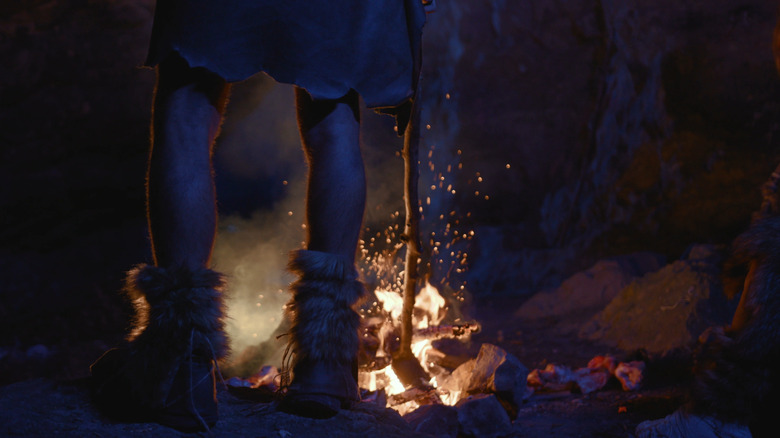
[
  {"x": 324, "y": 321},
  {"x": 179, "y": 314},
  {"x": 736, "y": 371}
]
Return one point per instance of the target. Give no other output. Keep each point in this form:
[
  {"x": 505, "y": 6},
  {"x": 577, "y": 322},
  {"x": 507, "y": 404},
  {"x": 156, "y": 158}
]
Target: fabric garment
[{"x": 325, "y": 47}]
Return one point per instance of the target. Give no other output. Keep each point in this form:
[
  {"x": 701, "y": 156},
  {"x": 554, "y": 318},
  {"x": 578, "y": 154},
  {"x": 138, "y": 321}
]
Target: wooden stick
[{"x": 411, "y": 155}]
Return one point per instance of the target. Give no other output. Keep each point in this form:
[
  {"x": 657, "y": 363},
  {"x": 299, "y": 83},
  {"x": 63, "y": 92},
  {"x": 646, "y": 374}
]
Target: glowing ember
[{"x": 430, "y": 310}]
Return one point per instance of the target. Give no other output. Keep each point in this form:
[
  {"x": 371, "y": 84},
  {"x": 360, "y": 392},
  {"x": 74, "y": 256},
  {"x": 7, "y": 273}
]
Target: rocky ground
[{"x": 45, "y": 408}]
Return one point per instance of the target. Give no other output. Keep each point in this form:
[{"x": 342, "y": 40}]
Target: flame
[
  {"x": 392, "y": 303},
  {"x": 432, "y": 303},
  {"x": 429, "y": 311},
  {"x": 429, "y": 305}
]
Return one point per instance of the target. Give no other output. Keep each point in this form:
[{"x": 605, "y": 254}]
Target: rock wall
[{"x": 626, "y": 125}]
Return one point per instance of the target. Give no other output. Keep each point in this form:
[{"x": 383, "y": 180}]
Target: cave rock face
[
  {"x": 627, "y": 125},
  {"x": 665, "y": 309},
  {"x": 587, "y": 292}
]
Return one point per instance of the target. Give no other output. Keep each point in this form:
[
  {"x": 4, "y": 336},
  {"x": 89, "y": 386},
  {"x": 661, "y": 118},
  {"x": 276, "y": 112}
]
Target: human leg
[
  {"x": 165, "y": 370},
  {"x": 336, "y": 191},
  {"x": 181, "y": 203},
  {"x": 324, "y": 331}
]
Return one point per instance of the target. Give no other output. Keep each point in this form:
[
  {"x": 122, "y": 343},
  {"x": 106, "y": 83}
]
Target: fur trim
[
  {"x": 324, "y": 322},
  {"x": 172, "y": 303},
  {"x": 316, "y": 265},
  {"x": 179, "y": 313}
]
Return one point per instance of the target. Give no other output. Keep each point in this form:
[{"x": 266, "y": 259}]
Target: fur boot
[
  {"x": 165, "y": 369},
  {"x": 324, "y": 338}
]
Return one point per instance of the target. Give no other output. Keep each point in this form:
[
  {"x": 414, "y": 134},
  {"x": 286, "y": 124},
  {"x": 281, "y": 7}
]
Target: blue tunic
[{"x": 327, "y": 47}]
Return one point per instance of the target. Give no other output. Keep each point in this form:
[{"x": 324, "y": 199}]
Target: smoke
[
  {"x": 260, "y": 173},
  {"x": 253, "y": 252}
]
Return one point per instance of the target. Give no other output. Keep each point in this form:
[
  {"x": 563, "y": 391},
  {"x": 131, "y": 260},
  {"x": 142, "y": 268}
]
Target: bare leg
[
  {"x": 187, "y": 114},
  {"x": 324, "y": 327},
  {"x": 336, "y": 193},
  {"x": 166, "y": 369}
]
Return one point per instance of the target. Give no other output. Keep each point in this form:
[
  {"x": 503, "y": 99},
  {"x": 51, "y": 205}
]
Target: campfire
[{"x": 380, "y": 340}]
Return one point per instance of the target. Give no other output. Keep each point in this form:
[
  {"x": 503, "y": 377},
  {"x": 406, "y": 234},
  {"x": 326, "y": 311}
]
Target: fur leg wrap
[
  {"x": 324, "y": 321},
  {"x": 179, "y": 314}
]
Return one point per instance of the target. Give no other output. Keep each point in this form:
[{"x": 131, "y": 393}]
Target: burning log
[
  {"x": 410, "y": 372},
  {"x": 423, "y": 395},
  {"x": 446, "y": 361},
  {"x": 377, "y": 345},
  {"x": 446, "y": 331}
]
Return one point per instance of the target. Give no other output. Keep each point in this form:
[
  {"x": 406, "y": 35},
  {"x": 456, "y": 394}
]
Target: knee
[
  {"x": 313, "y": 112},
  {"x": 174, "y": 75}
]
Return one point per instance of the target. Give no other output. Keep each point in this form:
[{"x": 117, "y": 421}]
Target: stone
[
  {"x": 664, "y": 309},
  {"x": 552, "y": 378},
  {"x": 630, "y": 374},
  {"x": 591, "y": 379},
  {"x": 438, "y": 420},
  {"x": 509, "y": 381},
  {"x": 496, "y": 371},
  {"x": 488, "y": 360},
  {"x": 589, "y": 291},
  {"x": 456, "y": 384},
  {"x": 607, "y": 362},
  {"x": 482, "y": 415},
  {"x": 681, "y": 425}
]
